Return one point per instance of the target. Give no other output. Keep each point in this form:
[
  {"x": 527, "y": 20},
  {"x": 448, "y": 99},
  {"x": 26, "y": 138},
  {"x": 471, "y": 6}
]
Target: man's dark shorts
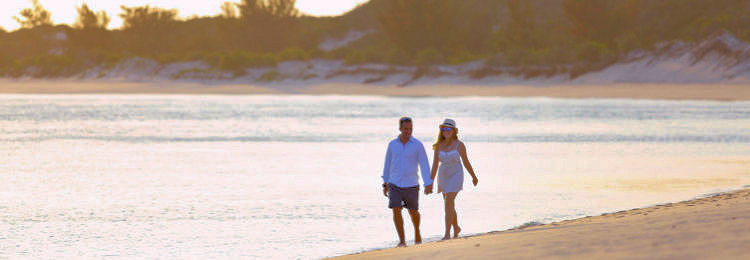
[{"x": 403, "y": 197}]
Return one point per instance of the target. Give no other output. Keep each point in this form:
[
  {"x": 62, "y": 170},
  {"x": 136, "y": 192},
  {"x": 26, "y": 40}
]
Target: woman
[{"x": 450, "y": 152}]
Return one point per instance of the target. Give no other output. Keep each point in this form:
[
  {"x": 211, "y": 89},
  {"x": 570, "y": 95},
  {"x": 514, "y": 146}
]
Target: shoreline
[
  {"x": 658, "y": 91},
  {"x": 709, "y": 226}
]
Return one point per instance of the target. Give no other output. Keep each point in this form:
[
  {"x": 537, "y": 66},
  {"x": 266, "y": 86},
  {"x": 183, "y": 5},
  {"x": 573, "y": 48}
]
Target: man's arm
[
  {"x": 386, "y": 170},
  {"x": 387, "y": 165},
  {"x": 424, "y": 167}
]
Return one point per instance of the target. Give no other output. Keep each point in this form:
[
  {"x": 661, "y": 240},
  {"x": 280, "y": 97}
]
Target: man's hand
[
  {"x": 385, "y": 190},
  {"x": 428, "y": 189},
  {"x": 475, "y": 181}
]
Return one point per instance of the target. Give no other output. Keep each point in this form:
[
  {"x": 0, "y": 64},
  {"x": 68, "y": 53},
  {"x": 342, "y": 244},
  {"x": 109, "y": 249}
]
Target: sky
[{"x": 64, "y": 11}]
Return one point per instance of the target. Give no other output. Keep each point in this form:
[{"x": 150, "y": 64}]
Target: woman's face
[{"x": 447, "y": 131}]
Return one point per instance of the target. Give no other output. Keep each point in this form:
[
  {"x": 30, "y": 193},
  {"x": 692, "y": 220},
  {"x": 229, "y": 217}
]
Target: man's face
[{"x": 405, "y": 129}]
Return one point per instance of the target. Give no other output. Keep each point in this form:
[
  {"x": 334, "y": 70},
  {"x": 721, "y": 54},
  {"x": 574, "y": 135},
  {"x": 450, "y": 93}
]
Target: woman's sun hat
[{"x": 449, "y": 122}]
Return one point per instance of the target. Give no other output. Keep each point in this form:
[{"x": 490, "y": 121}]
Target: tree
[
  {"x": 601, "y": 20},
  {"x": 229, "y": 10},
  {"x": 146, "y": 17},
  {"x": 520, "y": 29},
  {"x": 267, "y": 25},
  {"x": 33, "y": 17},
  {"x": 451, "y": 27},
  {"x": 273, "y": 9},
  {"x": 148, "y": 29},
  {"x": 586, "y": 16},
  {"x": 417, "y": 25},
  {"x": 88, "y": 19},
  {"x": 92, "y": 31}
]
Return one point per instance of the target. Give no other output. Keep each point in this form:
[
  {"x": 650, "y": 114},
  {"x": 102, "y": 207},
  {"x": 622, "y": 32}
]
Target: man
[{"x": 400, "y": 179}]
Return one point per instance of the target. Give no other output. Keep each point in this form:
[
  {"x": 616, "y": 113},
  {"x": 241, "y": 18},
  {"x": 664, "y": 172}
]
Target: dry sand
[
  {"x": 635, "y": 91},
  {"x": 716, "y": 227}
]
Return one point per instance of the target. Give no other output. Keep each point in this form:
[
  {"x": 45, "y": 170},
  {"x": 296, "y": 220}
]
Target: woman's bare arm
[
  {"x": 467, "y": 164},
  {"x": 433, "y": 172}
]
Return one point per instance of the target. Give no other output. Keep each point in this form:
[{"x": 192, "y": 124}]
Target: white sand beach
[{"x": 715, "y": 227}]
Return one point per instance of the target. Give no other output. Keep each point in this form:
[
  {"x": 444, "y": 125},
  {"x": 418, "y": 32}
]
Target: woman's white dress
[{"x": 450, "y": 172}]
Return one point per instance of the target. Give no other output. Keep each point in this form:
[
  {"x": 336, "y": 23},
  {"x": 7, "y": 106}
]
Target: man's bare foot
[
  {"x": 417, "y": 238},
  {"x": 456, "y": 231},
  {"x": 402, "y": 244},
  {"x": 446, "y": 237}
]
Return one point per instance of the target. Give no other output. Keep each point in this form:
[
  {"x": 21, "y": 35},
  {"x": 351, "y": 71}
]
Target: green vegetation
[
  {"x": 88, "y": 19},
  {"x": 34, "y": 17},
  {"x": 271, "y": 75},
  {"x": 195, "y": 73},
  {"x": 261, "y": 33}
]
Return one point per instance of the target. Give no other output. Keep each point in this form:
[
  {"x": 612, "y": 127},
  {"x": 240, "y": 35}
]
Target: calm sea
[{"x": 176, "y": 176}]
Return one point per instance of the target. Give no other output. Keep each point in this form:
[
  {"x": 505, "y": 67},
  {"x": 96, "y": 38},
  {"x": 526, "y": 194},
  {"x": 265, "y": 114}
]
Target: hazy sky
[{"x": 64, "y": 11}]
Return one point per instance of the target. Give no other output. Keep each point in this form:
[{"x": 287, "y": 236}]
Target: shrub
[
  {"x": 462, "y": 57},
  {"x": 355, "y": 57},
  {"x": 194, "y": 73},
  {"x": 194, "y": 56},
  {"x": 241, "y": 60},
  {"x": 47, "y": 66},
  {"x": 111, "y": 59},
  {"x": 429, "y": 56},
  {"x": 167, "y": 58},
  {"x": 396, "y": 56},
  {"x": 593, "y": 51},
  {"x": 293, "y": 54},
  {"x": 271, "y": 75}
]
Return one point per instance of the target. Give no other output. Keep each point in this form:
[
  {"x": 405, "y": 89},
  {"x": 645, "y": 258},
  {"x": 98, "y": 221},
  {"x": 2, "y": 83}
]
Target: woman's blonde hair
[{"x": 441, "y": 138}]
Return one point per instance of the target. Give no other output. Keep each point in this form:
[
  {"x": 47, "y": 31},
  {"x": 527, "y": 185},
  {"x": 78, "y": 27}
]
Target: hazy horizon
[{"x": 64, "y": 11}]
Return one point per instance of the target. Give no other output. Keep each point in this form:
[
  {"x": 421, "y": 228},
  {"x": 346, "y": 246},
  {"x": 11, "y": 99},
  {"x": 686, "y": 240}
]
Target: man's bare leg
[
  {"x": 414, "y": 214},
  {"x": 398, "y": 221}
]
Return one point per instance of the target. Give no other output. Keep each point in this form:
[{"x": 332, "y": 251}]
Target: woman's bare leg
[
  {"x": 450, "y": 214},
  {"x": 456, "y": 228}
]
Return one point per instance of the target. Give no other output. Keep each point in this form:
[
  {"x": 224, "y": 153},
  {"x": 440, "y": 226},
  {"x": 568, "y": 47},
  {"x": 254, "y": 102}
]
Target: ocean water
[{"x": 264, "y": 176}]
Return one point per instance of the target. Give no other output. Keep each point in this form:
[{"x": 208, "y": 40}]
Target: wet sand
[{"x": 716, "y": 227}]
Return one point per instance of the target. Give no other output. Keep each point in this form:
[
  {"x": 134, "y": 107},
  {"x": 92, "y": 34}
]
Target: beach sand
[
  {"x": 716, "y": 227},
  {"x": 634, "y": 91}
]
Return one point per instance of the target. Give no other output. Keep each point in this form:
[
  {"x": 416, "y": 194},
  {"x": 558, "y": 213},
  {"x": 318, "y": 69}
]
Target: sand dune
[
  {"x": 716, "y": 227},
  {"x": 720, "y": 59},
  {"x": 717, "y": 68}
]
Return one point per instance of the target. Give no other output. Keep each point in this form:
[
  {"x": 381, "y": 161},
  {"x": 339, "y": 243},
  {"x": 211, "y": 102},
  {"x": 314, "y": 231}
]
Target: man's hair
[{"x": 403, "y": 120}]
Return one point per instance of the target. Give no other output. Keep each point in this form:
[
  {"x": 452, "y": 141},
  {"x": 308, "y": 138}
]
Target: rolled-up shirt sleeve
[
  {"x": 387, "y": 166},
  {"x": 424, "y": 166}
]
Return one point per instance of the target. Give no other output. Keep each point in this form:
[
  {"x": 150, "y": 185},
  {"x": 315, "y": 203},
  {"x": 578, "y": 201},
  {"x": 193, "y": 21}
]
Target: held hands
[{"x": 428, "y": 189}]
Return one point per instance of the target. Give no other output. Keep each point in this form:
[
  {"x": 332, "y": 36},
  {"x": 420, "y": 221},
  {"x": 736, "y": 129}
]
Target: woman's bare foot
[
  {"x": 446, "y": 237},
  {"x": 402, "y": 244},
  {"x": 456, "y": 230}
]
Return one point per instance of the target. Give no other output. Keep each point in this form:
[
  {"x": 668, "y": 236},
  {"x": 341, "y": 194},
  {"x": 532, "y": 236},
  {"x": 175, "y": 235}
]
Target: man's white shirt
[{"x": 401, "y": 163}]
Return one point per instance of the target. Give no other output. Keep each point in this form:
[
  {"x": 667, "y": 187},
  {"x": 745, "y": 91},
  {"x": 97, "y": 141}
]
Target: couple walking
[{"x": 401, "y": 182}]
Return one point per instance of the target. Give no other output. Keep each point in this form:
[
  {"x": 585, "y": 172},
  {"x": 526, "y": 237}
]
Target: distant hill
[{"x": 535, "y": 37}]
